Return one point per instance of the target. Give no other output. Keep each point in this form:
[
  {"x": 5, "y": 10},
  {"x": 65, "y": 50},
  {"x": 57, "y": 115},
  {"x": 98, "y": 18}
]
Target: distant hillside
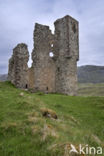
[
  {"x": 91, "y": 74},
  {"x": 3, "y": 77},
  {"x": 86, "y": 74}
]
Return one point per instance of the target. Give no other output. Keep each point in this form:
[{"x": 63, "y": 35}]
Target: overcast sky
[{"x": 18, "y": 17}]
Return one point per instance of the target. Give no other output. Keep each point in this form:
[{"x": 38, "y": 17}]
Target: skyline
[{"x": 18, "y": 19}]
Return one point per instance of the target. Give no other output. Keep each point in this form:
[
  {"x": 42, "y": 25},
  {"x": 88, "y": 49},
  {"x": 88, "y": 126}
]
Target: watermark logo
[
  {"x": 86, "y": 150},
  {"x": 73, "y": 149}
]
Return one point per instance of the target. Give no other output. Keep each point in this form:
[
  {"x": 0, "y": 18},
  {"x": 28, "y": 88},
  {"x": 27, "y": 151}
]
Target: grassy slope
[
  {"x": 90, "y": 89},
  {"x": 22, "y": 125}
]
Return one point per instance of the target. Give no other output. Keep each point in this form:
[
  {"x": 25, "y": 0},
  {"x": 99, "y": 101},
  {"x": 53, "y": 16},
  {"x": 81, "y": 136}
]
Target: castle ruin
[{"x": 55, "y": 74}]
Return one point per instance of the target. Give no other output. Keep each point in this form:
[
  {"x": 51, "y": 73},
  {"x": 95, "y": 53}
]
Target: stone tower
[
  {"x": 57, "y": 74},
  {"x": 43, "y": 65},
  {"x": 66, "y": 49},
  {"x": 18, "y": 68}
]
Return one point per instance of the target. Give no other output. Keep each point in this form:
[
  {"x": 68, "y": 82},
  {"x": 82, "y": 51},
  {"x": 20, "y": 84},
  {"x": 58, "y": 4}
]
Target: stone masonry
[
  {"x": 18, "y": 67},
  {"x": 55, "y": 74},
  {"x": 66, "y": 49},
  {"x": 43, "y": 65}
]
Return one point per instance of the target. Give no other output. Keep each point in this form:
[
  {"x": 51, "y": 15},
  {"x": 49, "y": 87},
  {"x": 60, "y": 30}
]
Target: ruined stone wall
[
  {"x": 31, "y": 76},
  {"x": 67, "y": 53},
  {"x": 43, "y": 64},
  {"x": 18, "y": 68},
  {"x": 48, "y": 74}
]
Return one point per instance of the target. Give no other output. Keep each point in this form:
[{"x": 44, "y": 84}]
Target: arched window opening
[
  {"x": 51, "y": 54},
  {"x": 74, "y": 28}
]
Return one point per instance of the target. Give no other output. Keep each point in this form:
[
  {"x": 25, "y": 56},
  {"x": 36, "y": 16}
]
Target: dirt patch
[{"x": 49, "y": 113}]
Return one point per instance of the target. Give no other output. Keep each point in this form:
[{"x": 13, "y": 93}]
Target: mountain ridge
[
  {"x": 3, "y": 77},
  {"x": 90, "y": 74}
]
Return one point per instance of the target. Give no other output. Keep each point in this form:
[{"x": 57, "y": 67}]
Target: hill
[
  {"x": 91, "y": 74},
  {"x": 91, "y": 89},
  {"x": 3, "y": 77},
  {"x": 86, "y": 74},
  {"x": 37, "y": 124}
]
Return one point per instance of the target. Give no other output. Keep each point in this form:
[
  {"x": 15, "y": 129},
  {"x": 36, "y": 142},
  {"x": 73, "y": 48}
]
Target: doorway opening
[
  {"x": 47, "y": 88},
  {"x": 26, "y": 86}
]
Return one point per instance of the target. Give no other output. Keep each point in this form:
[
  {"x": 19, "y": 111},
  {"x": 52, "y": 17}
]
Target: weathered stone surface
[
  {"x": 67, "y": 53},
  {"x": 44, "y": 66},
  {"x": 48, "y": 74},
  {"x": 18, "y": 68},
  {"x": 31, "y": 78}
]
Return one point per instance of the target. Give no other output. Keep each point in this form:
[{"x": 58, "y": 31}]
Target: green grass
[{"x": 22, "y": 126}]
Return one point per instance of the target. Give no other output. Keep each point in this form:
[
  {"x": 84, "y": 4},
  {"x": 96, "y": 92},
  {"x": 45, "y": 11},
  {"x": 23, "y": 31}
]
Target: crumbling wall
[
  {"x": 48, "y": 74},
  {"x": 66, "y": 51},
  {"x": 43, "y": 64},
  {"x": 18, "y": 68},
  {"x": 31, "y": 76}
]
